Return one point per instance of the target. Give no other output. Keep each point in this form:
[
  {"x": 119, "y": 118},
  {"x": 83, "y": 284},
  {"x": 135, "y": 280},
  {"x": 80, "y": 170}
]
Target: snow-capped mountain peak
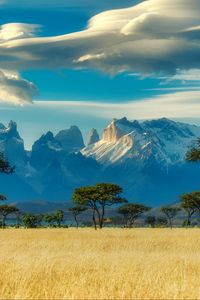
[{"x": 163, "y": 140}]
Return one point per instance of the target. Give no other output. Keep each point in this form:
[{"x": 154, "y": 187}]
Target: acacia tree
[
  {"x": 188, "y": 204},
  {"x": 97, "y": 198},
  {"x": 109, "y": 194},
  {"x": 76, "y": 211},
  {"x": 170, "y": 212},
  {"x": 30, "y": 221},
  {"x": 54, "y": 218},
  {"x": 132, "y": 211},
  {"x": 59, "y": 217},
  {"x": 49, "y": 219},
  {"x": 86, "y": 197},
  {"x": 194, "y": 199},
  {"x": 6, "y": 210}
]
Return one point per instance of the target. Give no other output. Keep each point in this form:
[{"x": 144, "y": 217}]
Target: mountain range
[{"x": 146, "y": 158}]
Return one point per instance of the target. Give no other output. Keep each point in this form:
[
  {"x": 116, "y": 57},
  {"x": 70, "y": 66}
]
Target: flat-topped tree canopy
[
  {"x": 132, "y": 211},
  {"x": 97, "y": 197}
]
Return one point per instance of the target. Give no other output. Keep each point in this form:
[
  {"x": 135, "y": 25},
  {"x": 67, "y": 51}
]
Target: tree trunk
[
  {"x": 75, "y": 217},
  {"x": 102, "y": 218},
  {"x": 94, "y": 220},
  {"x": 99, "y": 216},
  {"x": 131, "y": 221},
  {"x": 189, "y": 220}
]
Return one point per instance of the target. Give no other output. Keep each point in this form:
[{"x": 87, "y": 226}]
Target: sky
[{"x": 65, "y": 62}]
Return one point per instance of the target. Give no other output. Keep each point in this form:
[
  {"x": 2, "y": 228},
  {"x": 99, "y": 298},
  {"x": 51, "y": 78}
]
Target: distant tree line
[{"x": 94, "y": 200}]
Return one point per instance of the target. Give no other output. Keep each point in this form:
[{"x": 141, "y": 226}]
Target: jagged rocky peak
[
  {"x": 93, "y": 137},
  {"x": 46, "y": 138},
  {"x": 9, "y": 131},
  {"x": 71, "y": 139},
  {"x": 44, "y": 150},
  {"x": 46, "y": 141},
  {"x": 12, "y": 126},
  {"x": 11, "y": 144},
  {"x": 119, "y": 128},
  {"x": 114, "y": 131}
]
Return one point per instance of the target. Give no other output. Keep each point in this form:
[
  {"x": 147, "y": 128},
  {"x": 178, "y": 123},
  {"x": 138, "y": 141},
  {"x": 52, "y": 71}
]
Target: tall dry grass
[{"x": 107, "y": 264}]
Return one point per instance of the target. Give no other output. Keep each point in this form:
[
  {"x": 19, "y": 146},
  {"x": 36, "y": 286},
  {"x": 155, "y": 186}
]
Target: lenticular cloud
[
  {"x": 156, "y": 36},
  {"x": 14, "y": 89}
]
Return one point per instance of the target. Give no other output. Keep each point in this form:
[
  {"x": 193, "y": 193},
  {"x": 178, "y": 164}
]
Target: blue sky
[{"x": 119, "y": 63}]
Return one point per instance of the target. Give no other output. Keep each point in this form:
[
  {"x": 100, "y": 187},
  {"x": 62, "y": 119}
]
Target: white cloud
[
  {"x": 12, "y": 31},
  {"x": 190, "y": 75},
  {"x": 153, "y": 37},
  {"x": 14, "y": 89}
]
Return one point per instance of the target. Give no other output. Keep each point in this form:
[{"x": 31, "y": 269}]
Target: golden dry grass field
[{"x": 107, "y": 264}]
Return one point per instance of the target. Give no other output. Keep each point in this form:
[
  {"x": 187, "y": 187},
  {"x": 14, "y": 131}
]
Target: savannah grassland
[{"x": 107, "y": 264}]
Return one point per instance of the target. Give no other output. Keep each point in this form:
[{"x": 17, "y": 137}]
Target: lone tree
[
  {"x": 97, "y": 198},
  {"x": 132, "y": 211},
  {"x": 6, "y": 210},
  {"x": 193, "y": 154},
  {"x": 76, "y": 211},
  {"x": 170, "y": 213},
  {"x": 190, "y": 202}
]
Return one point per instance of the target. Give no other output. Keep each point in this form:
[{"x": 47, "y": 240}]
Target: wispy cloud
[
  {"x": 188, "y": 75},
  {"x": 173, "y": 89},
  {"x": 175, "y": 105}
]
